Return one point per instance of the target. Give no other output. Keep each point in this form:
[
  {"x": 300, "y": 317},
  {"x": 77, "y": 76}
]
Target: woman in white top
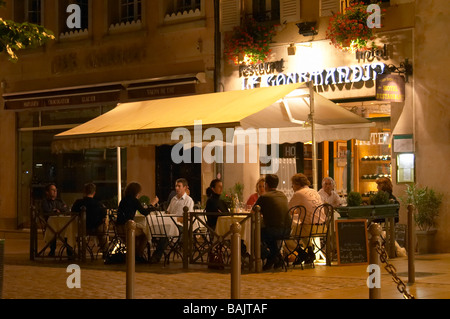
[{"x": 328, "y": 194}]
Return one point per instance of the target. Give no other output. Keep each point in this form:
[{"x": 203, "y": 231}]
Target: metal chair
[
  {"x": 297, "y": 243},
  {"x": 158, "y": 230},
  {"x": 321, "y": 231},
  {"x": 117, "y": 249}
]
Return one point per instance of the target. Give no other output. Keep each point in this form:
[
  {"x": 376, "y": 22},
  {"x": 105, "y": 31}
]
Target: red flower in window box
[
  {"x": 249, "y": 43},
  {"x": 348, "y": 31}
]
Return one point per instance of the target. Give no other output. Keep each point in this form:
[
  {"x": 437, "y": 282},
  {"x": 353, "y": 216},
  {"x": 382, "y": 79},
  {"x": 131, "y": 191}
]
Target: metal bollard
[
  {"x": 236, "y": 261},
  {"x": 2, "y": 262},
  {"x": 186, "y": 237},
  {"x": 131, "y": 242},
  {"x": 411, "y": 246},
  {"x": 375, "y": 232},
  {"x": 257, "y": 248},
  {"x": 33, "y": 233},
  {"x": 82, "y": 230}
]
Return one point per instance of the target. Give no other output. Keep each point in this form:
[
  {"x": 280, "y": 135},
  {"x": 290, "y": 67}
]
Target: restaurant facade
[
  {"x": 164, "y": 50},
  {"x": 125, "y": 51},
  {"x": 390, "y": 85}
]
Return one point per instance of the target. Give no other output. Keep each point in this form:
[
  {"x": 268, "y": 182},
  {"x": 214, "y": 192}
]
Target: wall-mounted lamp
[
  {"x": 291, "y": 49},
  {"x": 307, "y": 28},
  {"x": 405, "y": 68}
]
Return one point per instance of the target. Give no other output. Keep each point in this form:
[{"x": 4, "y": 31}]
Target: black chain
[{"x": 401, "y": 287}]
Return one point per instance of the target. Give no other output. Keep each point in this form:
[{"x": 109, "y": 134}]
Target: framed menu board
[{"x": 352, "y": 243}]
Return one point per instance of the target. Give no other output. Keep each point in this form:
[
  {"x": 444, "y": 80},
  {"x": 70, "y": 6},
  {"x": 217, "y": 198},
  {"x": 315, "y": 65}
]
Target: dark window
[
  {"x": 130, "y": 10},
  {"x": 266, "y": 10}
]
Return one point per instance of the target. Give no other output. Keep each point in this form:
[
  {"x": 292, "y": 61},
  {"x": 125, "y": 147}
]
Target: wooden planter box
[{"x": 369, "y": 211}]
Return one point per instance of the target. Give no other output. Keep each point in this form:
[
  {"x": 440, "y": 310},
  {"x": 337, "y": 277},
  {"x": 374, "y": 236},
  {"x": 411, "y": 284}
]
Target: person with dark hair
[
  {"x": 275, "y": 223},
  {"x": 307, "y": 197},
  {"x": 127, "y": 210},
  {"x": 50, "y": 206},
  {"x": 215, "y": 204},
  {"x": 181, "y": 199},
  {"x": 95, "y": 212}
]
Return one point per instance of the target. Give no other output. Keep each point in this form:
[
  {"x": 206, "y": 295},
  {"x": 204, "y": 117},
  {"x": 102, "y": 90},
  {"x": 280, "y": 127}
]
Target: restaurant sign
[
  {"x": 20, "y": 102},
  {"x": 390, "y": 88},
  {"x": 321, "y": 77}
]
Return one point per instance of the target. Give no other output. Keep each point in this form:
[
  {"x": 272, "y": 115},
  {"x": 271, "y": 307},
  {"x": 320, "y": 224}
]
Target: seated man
[
  {"x": 52, "y": 206},
  {"x": 275, "y": 220},
  {"x": 328, "y": 194},
  {"x": 95, "y": 213},
  {"x": 177, "y": 203}
]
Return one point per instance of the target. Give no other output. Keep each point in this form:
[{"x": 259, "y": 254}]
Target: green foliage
[
  {"x": 110, "y": 203},
  {"x": 354, "y": 199},
  {"x": 426, "y": 202},
  {"x": 144, "y": 199},
  {"x": 18, "y": 36},
  {"x": 380, "y": 198},
  {"x": 229, "y": 196}
]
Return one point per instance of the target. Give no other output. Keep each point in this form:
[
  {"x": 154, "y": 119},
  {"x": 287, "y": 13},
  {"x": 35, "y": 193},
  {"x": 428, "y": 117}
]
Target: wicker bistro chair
[
  {"x": 297, "y": 247},
  {"x": 320, "y": 232},
  {"x": 157, "y": 224}
]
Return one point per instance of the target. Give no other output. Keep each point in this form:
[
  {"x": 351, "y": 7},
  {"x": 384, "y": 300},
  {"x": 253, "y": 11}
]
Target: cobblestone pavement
[{"x": 25, "y": 279}]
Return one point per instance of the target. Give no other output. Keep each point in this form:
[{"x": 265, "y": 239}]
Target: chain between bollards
[
  {"x": 236, "y": 261},
  {"x": 131, "y": 242}
]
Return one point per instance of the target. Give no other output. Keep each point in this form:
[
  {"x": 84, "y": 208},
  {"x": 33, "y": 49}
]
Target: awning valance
[{"x": 152, "y": 122}]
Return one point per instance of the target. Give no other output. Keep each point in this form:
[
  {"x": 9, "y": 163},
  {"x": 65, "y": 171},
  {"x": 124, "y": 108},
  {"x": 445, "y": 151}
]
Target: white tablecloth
[
  {"x": 171, "y": 228},
  {"x": 224, "y": 223},
  {"x": 58, "y": 222}
]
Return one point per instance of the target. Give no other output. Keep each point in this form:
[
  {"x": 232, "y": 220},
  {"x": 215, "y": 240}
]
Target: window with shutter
[
  {"x": 289, "y": 11},
  {"x": 230, "y": 14},
  {"x": 329, "y": 7}
]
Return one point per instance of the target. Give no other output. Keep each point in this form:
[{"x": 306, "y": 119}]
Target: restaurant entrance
[
  {"x": 370, "y": 159},
  {"x": 167, "y": 172}
]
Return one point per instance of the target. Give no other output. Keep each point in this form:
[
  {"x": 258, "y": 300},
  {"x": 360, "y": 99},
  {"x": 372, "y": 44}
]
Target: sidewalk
[{"x": 46, "y": 279}]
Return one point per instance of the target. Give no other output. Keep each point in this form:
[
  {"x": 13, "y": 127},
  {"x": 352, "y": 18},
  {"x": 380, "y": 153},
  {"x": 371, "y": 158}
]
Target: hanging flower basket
[
  {"x": 349, "y": 31},
  {"x": 249, "y": 43}
]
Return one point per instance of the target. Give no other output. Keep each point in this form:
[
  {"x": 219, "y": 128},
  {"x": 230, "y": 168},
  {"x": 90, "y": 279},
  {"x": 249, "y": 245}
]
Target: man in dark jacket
[
  {"x": 275, "y": 221},
  {"x": 95, "y": 212}
]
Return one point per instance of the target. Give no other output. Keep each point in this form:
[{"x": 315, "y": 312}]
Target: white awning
[{"x": 151, "y": 122}]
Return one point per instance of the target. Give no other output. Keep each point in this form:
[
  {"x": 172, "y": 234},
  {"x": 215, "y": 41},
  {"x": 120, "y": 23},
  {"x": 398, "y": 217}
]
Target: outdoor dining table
[
  {"x": 65, "y": 226},
  {"x": 170, "y": 223},
  {"x": 224, "y": 223}
]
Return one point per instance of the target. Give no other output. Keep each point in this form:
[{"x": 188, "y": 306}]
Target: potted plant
[
  {"x": 249, "y": 43},
  {"x": 354, "y": 208},
  {"x": 233, "y": 196},
  {"x": 426, "y": 204},
  {"x": 348, "y": 30},
  {"x": 383, "y": 205}
]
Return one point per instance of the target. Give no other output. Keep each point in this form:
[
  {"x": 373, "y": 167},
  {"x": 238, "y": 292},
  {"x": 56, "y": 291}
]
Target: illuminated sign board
[
  {"x": 390, "y": 88},
  {"x": 321, "y": 77}
]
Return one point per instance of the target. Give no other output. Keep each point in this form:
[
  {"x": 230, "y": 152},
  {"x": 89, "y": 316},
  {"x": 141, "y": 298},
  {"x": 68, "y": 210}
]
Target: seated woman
[
  {"x": 127, "y": 210},
  {"x": 214, "y": 202},
  {"x": 385, "y": 184},
  {"x": 260, "y": 189}
]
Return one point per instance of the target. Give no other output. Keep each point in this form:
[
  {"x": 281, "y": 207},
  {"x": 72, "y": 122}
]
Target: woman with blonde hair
[{"x": 260, "y": 189}]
